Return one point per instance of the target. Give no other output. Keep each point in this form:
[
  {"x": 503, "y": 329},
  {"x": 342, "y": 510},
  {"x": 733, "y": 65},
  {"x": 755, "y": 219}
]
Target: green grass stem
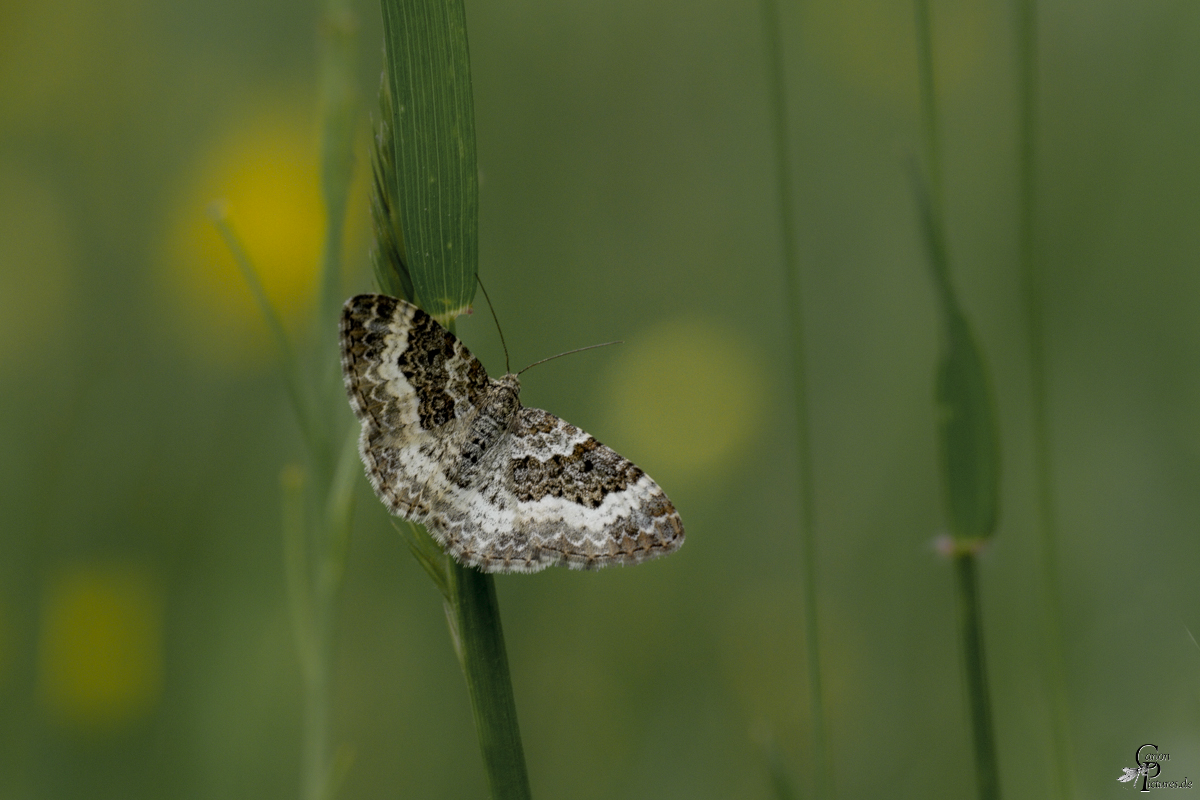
[
  {"x": 1052, "y": 632},
  {"x": 479, "y": 642},
  {"x": 927, "y": 91},
  {"x": 968, "y": 431},
  {"x": 317, "y": 562},
  {"x": 293, "y": 378},
  {"x": 967, "y": 438},
  {"x": 426, "y": 180},
  {"x": 340, "y": 109},
  {"x": 318, "y": 503},
  {"x": 970, "y": 629},
  {"x": 822, "y": 759}
]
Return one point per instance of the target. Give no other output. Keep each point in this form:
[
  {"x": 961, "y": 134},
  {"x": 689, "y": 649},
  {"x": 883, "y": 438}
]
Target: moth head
[{"x": 510, "y": 382}]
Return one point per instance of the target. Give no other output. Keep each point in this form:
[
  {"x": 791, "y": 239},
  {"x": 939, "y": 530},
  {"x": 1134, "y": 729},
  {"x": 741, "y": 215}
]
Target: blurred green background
[{"x": 627, "y": 190}]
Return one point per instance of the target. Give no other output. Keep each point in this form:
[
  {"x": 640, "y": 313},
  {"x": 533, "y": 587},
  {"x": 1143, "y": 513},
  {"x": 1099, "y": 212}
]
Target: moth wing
[
  {"x": 415, "y": 388},
  {"x": 555, "y": 495}
]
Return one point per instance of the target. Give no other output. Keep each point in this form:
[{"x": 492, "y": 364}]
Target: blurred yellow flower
[
  {"x": 265, "y": 173},
  {"x": 100, "y": 660},
  {"x": 691, "y": 394}
]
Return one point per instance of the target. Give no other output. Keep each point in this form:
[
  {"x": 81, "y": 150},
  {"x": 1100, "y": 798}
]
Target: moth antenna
[
  {"x": 569, "y": 352},
  {"x": 497, "y": 321}
]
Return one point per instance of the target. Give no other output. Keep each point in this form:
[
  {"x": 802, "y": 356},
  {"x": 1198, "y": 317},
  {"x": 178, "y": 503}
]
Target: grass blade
[
  {"x": 1052, "y": 633},
  {"x": 822, "y": 759},
  {"x": 968, "y": 438},
  {"x": 426, "y": 180},
  {"x": 436, "y": 183}
]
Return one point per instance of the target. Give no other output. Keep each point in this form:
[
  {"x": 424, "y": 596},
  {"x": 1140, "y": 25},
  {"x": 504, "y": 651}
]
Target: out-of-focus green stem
[
  {"x": 1052, "y": 633},
  {"x": 297, "y": 391},
  {"x": 967, "y": 428},
  {"x": 340, "y": 111},
  {"x": 318, "y": 502},
  {"x": 970, "y": 627},
  {"x": 929, "y": 114},
  {"x": 823, "y": 783},
  {"x": 325, "y": 538}
]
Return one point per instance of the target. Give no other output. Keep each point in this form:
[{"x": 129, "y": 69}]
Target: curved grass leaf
[
  {"x": 968, "y": 439},
  {"x": 434, "y": 183}
]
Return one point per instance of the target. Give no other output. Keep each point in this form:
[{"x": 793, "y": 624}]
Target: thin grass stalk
[
  {"x": 970, "y": 628},
  {"x": 315, "y": 769},
  {"x": 293, "y": 380},
  {"x": 340, "y": 117},
  {"x": 822, "y": 760},
  {"x": 317, "y": 504},
  {"x": 426, "y": 182},
  {"x": 967, "y": 430},
  {"x": 1052, "y": 631},
  {"x": 479, "y": 642},
  {"x": 930, "y": 136},
  {"x": 969, "y": 469},
  {"x": 323, "y": 549}
]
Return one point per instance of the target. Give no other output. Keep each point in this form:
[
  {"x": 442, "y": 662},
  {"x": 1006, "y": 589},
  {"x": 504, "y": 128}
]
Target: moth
[{"x": 501, "y": 487}]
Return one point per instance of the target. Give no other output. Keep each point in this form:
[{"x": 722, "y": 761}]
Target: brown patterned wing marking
[
  {"x": 448, "y": 380},
  {"x": 562, "y": 498},
  {"x": 414, "y": 387}
]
